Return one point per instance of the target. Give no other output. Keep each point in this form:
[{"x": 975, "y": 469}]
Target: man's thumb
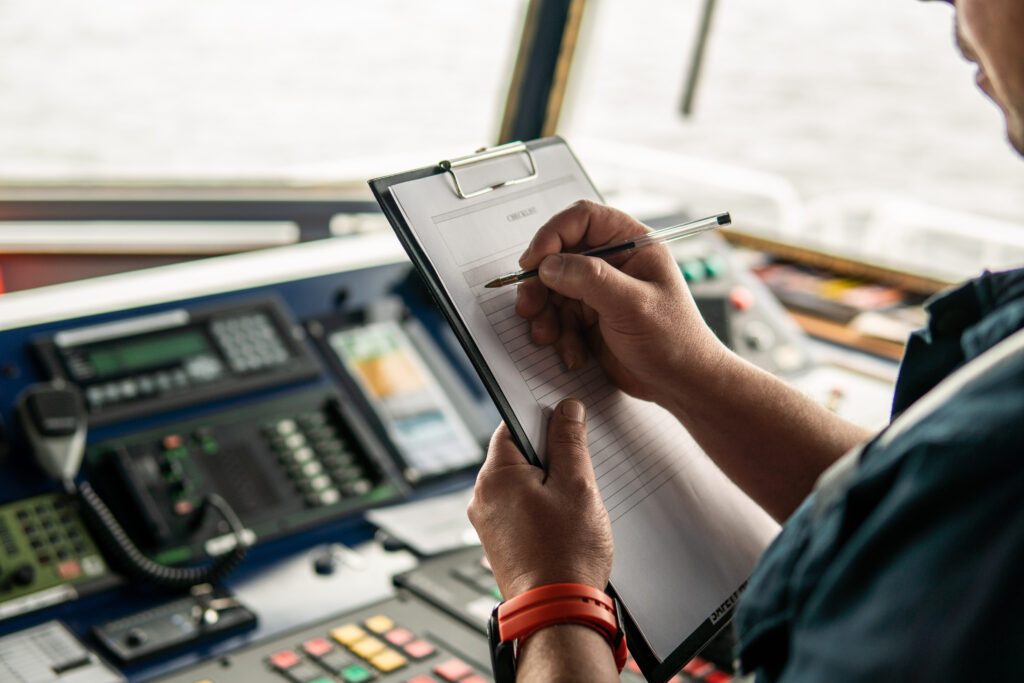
[
  {"x": 591, "y": 280},
  {"x": 567, "y": 439}
]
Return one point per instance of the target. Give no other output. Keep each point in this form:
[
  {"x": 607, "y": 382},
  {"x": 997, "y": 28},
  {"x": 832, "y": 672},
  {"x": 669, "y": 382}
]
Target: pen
[{"x": 675, "y": 232}]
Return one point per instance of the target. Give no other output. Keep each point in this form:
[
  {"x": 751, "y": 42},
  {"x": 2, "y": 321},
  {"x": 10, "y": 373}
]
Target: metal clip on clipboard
[{"x": 488, "y": 154}]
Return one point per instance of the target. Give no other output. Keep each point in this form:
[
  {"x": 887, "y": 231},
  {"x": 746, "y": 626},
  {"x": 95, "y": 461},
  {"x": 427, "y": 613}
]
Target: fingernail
[
  {"x": 551, "y": 267},
  {"x": 574, "y": 410},
  {"x": 522, "y": 259},
  {"x": 570, "y": 361}
]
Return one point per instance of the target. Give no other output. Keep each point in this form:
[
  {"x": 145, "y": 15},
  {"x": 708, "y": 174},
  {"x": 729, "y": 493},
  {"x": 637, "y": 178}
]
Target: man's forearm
[
  {"x": 567, "y": 653},
  {"x": 769, "y": 438}
]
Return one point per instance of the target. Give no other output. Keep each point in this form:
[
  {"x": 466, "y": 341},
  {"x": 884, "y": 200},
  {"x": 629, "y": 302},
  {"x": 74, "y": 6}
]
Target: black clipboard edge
[
  {"x": 660, "y": 671},
  {"x": 653, "y": 669}
]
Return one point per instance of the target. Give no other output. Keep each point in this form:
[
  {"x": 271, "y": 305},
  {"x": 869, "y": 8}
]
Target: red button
[
  {"x": 69, "y": 569},
  {"x": 172, "y": 441},
  {"x": 418, "y": 649},
  {"x": 317, "y": 647},
  {"x": 398, "y": 636},
  {"x": 422, "y": 679},
  {"x": 474, "y": 679},
  {"x": 741, "y": 297},
  {"x": 698, "y": 667},
  {"x": 718, "y": 677},
  {"x": 453, "y": 669},
  {"x": 285, "y": 659}
]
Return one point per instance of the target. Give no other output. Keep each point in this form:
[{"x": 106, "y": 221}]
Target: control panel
[
  {"x": 299, "y": 404},
  {"x": 282, "y": 465},
  {"x": 230, "y": 396},
  {"x": 205, "y": 614},
  {"x": 145, "y": 364},
  {"x": 398, "y": 640}
]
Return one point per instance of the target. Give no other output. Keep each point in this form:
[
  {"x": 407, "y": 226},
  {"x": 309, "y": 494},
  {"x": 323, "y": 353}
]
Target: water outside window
[
  {"x": 850, "y": 126},
  {"x": 836, "y": 124}
]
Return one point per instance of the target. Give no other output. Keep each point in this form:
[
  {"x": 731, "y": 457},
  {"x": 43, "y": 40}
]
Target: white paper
[
  {"x": 686, "y": 538},
  {"x": 430, "y": 526}
]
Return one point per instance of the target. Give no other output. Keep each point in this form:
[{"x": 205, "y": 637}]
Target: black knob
[
  {"x": 325, "y": 564},
  {"x": 24, "y": 575},
  {"x": 135, "y": 637}
]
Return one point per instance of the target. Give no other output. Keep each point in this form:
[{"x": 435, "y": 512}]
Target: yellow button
[
  {"x": 389, "y": 660},
  {"x": 367, "y": 647},
  {"x": 347, "y": 634},
  {"x": 380, "y": 624}
]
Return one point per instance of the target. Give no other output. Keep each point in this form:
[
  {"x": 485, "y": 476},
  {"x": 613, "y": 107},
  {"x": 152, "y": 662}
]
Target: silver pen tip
[{"x": 502, "y": 281}]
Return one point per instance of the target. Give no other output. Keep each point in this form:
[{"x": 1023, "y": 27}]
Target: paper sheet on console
[{"x": 686, "y": 538}]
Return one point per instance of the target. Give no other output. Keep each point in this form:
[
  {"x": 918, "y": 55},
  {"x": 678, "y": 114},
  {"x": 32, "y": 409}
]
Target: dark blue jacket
[{"x": 912, "y": 569}]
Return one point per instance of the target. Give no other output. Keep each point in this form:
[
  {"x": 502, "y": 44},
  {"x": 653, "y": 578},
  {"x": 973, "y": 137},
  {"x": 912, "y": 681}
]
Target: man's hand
[
  {"x": 539, "y": 527},
  {"x": 635, "y": 313}
]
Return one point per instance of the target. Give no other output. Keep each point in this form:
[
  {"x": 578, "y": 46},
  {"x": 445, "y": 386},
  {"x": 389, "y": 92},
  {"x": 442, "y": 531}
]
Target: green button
[
  {"x": 714, "y": 265},
  {"x": 693, "y": 270},
  {"x": 356, "y": 674},
  {"x": 210, "y": 446},
  {"x": 322, "y": 679}
]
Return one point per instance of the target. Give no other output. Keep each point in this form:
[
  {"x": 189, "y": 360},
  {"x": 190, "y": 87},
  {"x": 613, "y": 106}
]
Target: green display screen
[{"x": 136, "y": 355}]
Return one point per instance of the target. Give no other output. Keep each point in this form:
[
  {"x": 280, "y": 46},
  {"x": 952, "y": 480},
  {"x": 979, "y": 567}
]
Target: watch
[{"x": 515, "y": 620}]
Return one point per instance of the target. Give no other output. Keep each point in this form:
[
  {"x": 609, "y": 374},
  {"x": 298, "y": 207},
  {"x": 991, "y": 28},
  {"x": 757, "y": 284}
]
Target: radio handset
[{"x": 54, "y": 420}]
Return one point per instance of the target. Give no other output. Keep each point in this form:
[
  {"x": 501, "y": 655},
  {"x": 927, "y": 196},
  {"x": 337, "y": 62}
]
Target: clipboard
[{"x": 528, "y": 173}]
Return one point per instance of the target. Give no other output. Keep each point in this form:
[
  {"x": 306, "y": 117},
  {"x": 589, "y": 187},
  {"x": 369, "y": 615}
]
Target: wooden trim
[
  {"x": 917, "y": 284},
  {"x": 842, "y": 334}
]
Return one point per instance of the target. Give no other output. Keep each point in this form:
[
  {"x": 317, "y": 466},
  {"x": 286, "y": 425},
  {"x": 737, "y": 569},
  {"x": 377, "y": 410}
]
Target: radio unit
[{"x": 152, "y": 363}]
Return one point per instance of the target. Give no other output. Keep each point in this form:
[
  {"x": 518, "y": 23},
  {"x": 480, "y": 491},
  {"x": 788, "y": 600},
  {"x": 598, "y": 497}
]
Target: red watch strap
[
  {"x": 520, "y": 626},
  {"x": 555, "y": 591}
]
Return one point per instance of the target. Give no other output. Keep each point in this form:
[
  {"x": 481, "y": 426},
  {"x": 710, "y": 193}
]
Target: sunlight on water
[{"x": 853, "y": 96}]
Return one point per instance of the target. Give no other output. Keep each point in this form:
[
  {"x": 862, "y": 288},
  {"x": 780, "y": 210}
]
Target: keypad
[
  {"x": 249, "y": 342},
  {"x": 377, "y": 648},
  {"x": 43, "y": 545},
  {"x": 55, "y": 537}
]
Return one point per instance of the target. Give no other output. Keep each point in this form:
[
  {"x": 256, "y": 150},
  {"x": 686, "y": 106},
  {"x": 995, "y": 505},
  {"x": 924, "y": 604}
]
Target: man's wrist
[
  {"x": 518, "y": 619},
  {"x": 566, "y": 652}
]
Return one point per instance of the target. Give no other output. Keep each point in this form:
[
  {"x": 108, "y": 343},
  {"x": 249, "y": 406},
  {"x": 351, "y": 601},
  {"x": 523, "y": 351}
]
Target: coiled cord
[{"x": 130, "y": 561}]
